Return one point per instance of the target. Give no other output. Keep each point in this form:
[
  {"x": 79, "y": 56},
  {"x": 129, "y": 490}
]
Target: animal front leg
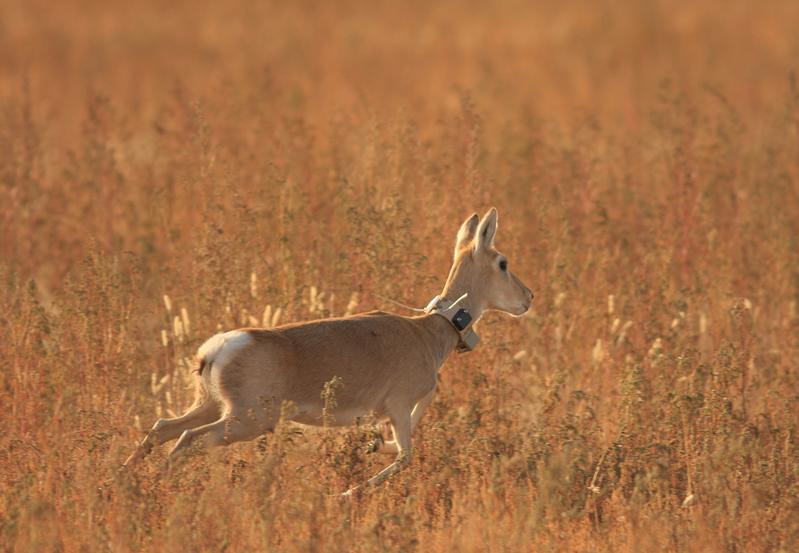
[
  {"x": 378, "y": 444},
  {"x": 390, "y": 446},
  {"x": 401, "y": 426}
]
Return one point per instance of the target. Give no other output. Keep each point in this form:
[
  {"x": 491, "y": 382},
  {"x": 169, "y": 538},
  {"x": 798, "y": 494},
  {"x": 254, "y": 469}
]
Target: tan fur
[{"x": 387, "y": 364}]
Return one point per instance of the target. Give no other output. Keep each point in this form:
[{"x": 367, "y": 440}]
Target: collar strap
[{"x": 460, "y": 319}]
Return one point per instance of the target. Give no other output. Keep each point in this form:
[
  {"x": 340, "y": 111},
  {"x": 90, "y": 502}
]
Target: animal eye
[{"x": 503, "y": 265}]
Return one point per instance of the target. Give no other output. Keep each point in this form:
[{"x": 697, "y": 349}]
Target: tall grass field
[{"x": 171, "y": 169}]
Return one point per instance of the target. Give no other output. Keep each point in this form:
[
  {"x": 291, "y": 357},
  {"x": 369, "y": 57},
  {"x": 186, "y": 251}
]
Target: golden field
[{"x": 268, "y": 162}]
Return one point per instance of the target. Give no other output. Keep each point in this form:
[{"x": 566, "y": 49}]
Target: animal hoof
[
  {"x": 374, "y": 445},
  {"x": 352, "y": 493}
]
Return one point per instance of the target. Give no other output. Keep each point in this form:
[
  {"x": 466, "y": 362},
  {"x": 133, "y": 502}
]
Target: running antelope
[{"x": 387, "y": 364}]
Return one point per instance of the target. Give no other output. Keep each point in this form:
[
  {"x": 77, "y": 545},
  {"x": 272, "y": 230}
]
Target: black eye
[{"x": 503, "y": 265}]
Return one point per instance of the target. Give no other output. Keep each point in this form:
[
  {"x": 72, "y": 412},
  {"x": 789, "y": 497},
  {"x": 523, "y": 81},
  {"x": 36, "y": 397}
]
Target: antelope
[{"x": 387, "y": 364}]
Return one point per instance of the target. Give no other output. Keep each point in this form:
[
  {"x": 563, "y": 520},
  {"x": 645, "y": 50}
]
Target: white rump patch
[{"x": 219, "y": 349}]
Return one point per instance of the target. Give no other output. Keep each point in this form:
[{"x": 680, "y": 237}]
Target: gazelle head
[{"x": 482, "y": 271}]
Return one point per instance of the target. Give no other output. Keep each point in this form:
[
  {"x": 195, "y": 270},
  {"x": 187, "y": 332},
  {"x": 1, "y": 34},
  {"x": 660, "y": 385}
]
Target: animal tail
[{"x": 201, "y": 364}]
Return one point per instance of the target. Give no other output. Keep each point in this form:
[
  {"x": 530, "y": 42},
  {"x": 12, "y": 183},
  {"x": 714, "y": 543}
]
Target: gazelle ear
[
  {"x": 487, "y": 229},
  {"x": 466, "y": 233}
]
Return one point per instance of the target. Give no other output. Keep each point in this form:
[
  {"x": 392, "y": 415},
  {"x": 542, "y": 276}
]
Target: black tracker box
[{"x": 461, "y": 319}]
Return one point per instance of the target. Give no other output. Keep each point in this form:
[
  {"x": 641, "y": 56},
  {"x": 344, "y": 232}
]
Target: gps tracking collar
[{"x": 458, "y": 317}]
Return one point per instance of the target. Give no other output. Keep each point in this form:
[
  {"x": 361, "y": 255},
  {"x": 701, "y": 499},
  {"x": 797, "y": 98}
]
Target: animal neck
[
  {"x": 443, "y": 334},
  {"x": 459, "y": 315},
  {"x": 452, "y": 291},
  {"x": 442, "y": 338}
]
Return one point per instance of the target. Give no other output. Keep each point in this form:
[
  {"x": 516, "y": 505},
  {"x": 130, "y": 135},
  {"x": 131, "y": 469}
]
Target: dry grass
[{"x": 308, "y": 156}]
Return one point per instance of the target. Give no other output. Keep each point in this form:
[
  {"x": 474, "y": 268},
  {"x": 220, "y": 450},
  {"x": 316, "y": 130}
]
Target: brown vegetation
[{"x": 266, "y": 162}]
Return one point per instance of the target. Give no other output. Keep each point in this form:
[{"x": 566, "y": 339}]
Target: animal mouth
[{"x": 523, "y": 308}]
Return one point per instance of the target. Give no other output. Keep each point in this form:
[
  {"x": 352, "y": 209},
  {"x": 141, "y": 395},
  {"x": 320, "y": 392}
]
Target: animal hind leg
[
  {"x": 165, "y": 430},
  {"x": 225, "y": 431}
]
